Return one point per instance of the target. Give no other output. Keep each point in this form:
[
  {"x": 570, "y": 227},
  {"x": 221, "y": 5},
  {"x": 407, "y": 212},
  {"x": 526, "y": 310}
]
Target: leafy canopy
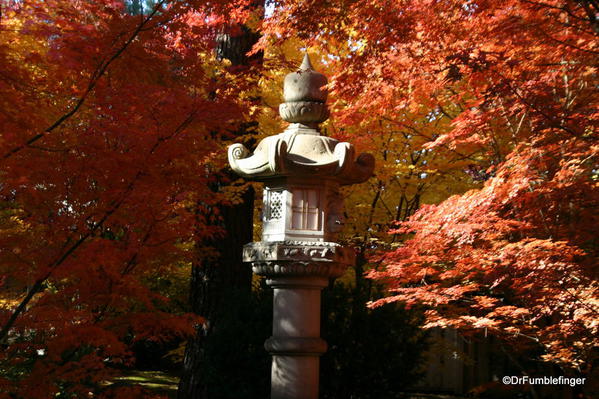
[{"x": 505, "y": 91}]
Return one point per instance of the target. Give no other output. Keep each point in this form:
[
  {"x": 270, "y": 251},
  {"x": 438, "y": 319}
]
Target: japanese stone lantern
[{"x": 302, "y": 213}]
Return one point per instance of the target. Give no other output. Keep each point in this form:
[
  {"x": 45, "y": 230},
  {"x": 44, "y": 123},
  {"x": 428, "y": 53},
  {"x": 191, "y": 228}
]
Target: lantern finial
[
  {"x": 306, "y": 64},
  {"x": 305, "y": 95},
  {"x": 301, "y": 151}
]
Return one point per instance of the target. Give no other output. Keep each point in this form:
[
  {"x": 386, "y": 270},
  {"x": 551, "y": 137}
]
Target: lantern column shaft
[{"x": 296, "y": 344}]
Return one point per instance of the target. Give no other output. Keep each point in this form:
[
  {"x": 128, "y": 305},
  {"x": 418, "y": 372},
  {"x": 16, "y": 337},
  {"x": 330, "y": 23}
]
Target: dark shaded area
[
  {"x": 152, "y": 355},
  {"x": 220, "y": 292},
  {"x": 235, "y": 362},
  {"x": 373, "y": 353}
]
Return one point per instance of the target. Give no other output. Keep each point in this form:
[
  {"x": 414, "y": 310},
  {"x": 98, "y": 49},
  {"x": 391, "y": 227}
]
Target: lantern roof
[{"x": 301, "y": 150}]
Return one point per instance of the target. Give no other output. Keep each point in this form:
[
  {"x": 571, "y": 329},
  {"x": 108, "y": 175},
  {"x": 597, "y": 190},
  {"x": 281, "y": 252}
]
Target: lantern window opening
[
  {"x": 274, "y": 205},
  {"x": 306, "y": 210}
]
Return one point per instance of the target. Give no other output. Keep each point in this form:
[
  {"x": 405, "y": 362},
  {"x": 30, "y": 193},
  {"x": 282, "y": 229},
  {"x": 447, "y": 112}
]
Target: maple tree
[
  {"x": 112, "y": 130},
  {"x": 505, "y": 91},
  {"x": 110, "y": 125}
]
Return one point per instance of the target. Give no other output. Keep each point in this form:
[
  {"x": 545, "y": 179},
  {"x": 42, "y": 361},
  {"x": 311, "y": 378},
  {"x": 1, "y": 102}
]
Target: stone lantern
[{"x": 302, "y": 213}]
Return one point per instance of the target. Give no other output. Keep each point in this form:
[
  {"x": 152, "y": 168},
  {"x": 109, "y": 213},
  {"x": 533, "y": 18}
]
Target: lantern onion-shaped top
[{"x": 300, "y": 150}]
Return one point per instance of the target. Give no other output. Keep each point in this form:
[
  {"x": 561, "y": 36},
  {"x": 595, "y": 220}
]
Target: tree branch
[
  {"x": 38, "y": 285},
  {"x": 100, "y": 71}
]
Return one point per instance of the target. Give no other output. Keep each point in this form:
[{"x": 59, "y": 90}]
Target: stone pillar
[
  {"x": 302, "y": 214},
  {"x": 295, "y": 343},
  {"x": 297, "y": 271}
]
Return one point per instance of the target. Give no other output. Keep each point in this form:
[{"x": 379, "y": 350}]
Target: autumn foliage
[
  {"x": 108, "y": 127},
  {"x": 505, "y": 92},
  {"x": 112, "y": 125}
]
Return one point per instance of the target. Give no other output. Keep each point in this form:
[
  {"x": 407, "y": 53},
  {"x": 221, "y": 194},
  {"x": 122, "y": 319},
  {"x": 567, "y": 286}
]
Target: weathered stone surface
[
  {"x": 270, "y": 269},
  {"x": 305, "y": 84},
  {"x": 290, "y": 345},
  {"x": 301, "y": 151},
  {"x": 296, "y": 251},
  {"x": 304, "y": 112}
]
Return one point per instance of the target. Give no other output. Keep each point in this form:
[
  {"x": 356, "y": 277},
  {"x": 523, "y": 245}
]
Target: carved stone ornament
[
  {"x": 304, "y": 112},
  {"x": 300, "y": 150},
  {"x": 297, "y": 269},
  {"x": 293, "y": 251}
]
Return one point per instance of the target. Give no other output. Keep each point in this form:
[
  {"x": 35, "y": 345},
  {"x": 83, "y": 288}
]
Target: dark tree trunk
[{"x": 220, "y": 283}]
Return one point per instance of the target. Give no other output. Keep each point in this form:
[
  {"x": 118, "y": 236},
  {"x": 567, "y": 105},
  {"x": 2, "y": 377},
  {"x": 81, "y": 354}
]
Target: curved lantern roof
[{"x": 301, "y": 151}]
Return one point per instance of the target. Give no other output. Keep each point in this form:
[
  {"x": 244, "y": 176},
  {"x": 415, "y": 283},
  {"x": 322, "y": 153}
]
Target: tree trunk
[{"x": 221, "y": 284}]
